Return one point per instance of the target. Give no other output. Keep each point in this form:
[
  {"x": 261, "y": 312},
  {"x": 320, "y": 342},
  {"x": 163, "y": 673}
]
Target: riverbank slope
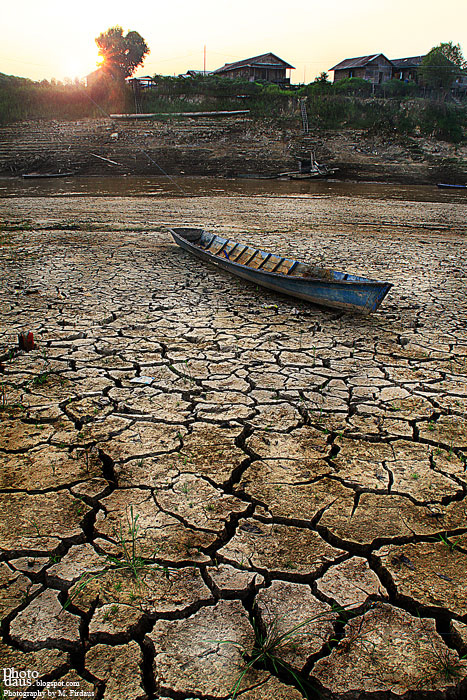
[{"x": 224, "y": 146}]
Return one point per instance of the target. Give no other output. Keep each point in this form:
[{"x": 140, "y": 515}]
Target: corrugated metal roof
[
  {"x": 256, "y": 62},
  {"x": 362, "y": 61},
  {"x": 411, "y": 62},
  {"x": 359, "y": 62}
]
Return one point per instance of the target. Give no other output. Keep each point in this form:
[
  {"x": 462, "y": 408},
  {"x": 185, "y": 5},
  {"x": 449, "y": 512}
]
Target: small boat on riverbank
[
  {"x": 309, "y": 170},
  {"x": 285, "y": 275},
  {"x": 321, "y": 174},
  {"x": 43, "y": 175},
  {"x": 446, "y": 186}
]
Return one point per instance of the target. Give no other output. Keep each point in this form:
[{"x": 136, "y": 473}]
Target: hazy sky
[{"x": 55, "y": 38}]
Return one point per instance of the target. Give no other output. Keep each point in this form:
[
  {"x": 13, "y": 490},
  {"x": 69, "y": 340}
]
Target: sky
[{"x": 55, "y": 39}]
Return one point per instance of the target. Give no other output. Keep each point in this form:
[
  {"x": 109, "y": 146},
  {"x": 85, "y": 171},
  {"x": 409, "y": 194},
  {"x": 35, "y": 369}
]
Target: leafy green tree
[
  {"x": 322, "y": 78},
  {"x": 321, "y": 85},
  {"x": 454, "y": 53},
  {"x": 441, "y": 65},
  {"x": 120, "y": 54}
]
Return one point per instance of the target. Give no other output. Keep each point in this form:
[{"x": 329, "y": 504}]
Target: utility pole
[{"x": 204, "y": 70}]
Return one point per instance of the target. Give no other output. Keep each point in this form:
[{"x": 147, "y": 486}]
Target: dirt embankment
[{"x": 222, "y": 147}]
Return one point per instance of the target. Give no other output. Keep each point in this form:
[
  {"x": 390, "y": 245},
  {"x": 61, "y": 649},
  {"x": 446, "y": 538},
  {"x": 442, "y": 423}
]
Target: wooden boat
[
  {"x": 255, "y": 176},
  {"x": 309, "y": 170},
  {"x": 292, "y": 175},
  {"x": 444, "y": 185},
  {"x": 313, "y": 283},
  {"x": 38, "y": 175},
  {"x": 154, "y": 115},
  {"x": 310, "y": 175}
]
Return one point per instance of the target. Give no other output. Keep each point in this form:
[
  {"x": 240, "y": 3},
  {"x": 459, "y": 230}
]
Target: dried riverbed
[{"x": 184, "y": 453}]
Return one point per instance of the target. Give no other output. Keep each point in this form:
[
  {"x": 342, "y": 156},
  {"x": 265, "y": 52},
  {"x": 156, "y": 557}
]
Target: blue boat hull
[
  {"x": 333, "y": 289},
  {"x": 445, "y": 186}
]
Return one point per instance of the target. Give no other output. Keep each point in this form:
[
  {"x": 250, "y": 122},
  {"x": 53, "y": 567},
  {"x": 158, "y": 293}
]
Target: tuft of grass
[
  {"x": 130, "y": 558},
  {"x": 113, "y": 611},
  {"x": 267, "y": 648},
  {"x": 447, "y": 542},
  {"x": 45, "y": 372},
  {"x": 41, "y": 379},
  {"x": 447, "y": 668},
  {"x": 445, "y": 664}
]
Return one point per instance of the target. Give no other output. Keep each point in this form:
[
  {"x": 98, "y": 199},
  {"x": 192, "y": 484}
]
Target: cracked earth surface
[{"x": 186, "y": 458}]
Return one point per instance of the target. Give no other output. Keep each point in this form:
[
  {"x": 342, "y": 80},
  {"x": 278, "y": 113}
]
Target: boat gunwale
[{"x": 349, "y": 282}]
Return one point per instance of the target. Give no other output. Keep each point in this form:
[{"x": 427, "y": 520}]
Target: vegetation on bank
[
  {"x": 21, "y": 98},
  {"x": 395, "y": 107}
]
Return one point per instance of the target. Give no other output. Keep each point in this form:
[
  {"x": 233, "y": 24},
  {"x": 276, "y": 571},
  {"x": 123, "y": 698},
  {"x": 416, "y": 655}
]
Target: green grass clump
[{"x": 269, "y": 643}]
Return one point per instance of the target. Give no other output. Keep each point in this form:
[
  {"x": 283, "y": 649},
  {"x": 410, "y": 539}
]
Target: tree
[
  {"x": 322, "y": 78},
  {"x": 441, "y": 65},
  {"x": 453, "y": 52},
  {"x": 121, "y": 55}
]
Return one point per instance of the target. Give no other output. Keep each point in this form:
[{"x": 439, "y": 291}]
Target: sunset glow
[{"x": 37, "y": 36}]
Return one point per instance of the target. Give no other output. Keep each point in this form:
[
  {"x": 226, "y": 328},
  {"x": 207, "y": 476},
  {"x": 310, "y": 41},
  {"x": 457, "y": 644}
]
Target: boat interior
[{"x": 256, "y": 259}]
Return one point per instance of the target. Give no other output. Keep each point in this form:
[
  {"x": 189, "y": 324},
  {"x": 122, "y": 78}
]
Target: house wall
[
  {"x": 375, "y": 72},
  {"x": 378, "y": 71},
  {"x": 405, "y": 74},
  {"x": 349, "y": 73},
  {"x": 459, "y": 86},
  {"x": 272, "y": 75}
]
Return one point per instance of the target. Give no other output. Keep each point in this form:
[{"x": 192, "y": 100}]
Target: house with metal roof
[
  {"x": 375, "y": 69},
  {"x": 142, "y": 83},
  {"x": 195, "y": 74},
  {"x": 267, "y": 67},
  {"x": 406, "y": 68}
]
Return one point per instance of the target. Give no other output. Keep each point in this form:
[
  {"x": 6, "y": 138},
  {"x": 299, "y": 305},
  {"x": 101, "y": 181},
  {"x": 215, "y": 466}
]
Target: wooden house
[
  {"x": 378, "y": 69},
  {"x": 142, "y": 83},
  {"x": 406, "y": 69},
  {"x": 375, "y": 69},
  {"x": 267, "y": 67},
  {"x": 459, "y": 87},
  {"x": 195, "y": 74}
]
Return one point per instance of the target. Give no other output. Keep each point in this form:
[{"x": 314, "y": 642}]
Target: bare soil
[
  {"x": 184, "y": 454},
  {"x": 224, "y": 146}
]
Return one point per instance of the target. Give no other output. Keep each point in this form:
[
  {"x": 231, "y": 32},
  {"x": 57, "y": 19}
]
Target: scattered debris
[
  {"x": 26, "y": 341},
  {"x": 142, "y": 380}
]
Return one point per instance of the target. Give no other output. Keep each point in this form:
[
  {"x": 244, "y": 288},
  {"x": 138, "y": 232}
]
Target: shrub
[
  {"x": 352, "y": 86},
  {"x": 318, "y": 87},
  {"x": 444, "y": 121},
  {"x": 398, "y": 88},
  {"x": 344, "y": 104}
]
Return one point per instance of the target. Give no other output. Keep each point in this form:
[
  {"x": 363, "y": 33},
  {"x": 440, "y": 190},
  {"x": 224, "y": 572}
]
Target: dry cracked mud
[{"x": 192, "y": 466}]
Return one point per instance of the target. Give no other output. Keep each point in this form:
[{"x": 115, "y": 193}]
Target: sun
[{"x": 81, "y": 63}]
